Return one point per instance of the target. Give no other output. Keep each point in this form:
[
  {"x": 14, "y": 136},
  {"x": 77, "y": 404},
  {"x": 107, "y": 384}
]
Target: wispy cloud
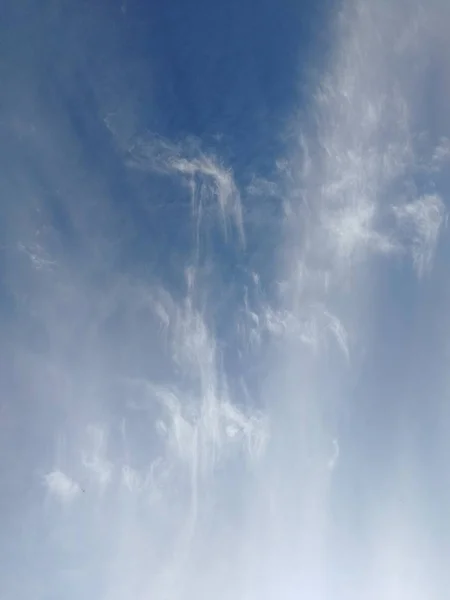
[
  {"x": 211, "y": 185},
  {"x": 366, "y": 149},
  {"x": 94, "y": 459},
  {"x": 421, "y": 221},
  {"x": 241, "y": 452}
]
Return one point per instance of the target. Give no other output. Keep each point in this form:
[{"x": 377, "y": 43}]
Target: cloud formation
[
  {"x": 422, "y": 220},
  {"x": 62, "y": 487},
  {"x": 211, "y": 185},
  {"x": 237, "y": 431}
]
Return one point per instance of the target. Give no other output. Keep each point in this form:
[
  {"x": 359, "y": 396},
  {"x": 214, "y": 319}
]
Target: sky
[{"x": 224, "y": 333}]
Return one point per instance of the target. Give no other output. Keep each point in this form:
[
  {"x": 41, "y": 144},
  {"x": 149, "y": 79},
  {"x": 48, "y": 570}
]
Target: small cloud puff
[{"x": 62, "y": 487}]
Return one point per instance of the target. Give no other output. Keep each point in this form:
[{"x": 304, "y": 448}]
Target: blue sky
[{"x": 223, "y": 300}]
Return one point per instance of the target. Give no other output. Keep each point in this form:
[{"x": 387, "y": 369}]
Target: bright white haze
[{"x": 222, "y": 385}]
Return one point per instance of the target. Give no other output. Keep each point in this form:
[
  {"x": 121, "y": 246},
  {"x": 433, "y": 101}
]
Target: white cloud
[
  {"x": 209, "y": 478},
  {"x": 198, "y": 422},
  {"x": 366, "y": 150},
  {"x": 37, "y": 255},
  {"x": 312, "y": 326},
  {"x": 352, "y": 233},
  {"x": 212, "y": 186},
  {"x": 131, "y": 479},
  {"x": 338, "y": 330},
  {"x": 62, "y": 486},
  {"x": 94, "y": 458},
  {"x": 260, "y": 186},
  {"x": 441, "y": 155},
  {"x": 421, "y": 221}
]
